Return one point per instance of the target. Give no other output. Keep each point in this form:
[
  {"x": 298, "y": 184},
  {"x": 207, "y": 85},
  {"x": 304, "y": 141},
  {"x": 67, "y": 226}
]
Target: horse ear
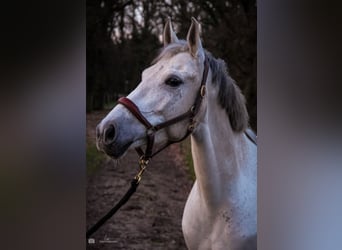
[
  {"x": 193, "y": 38},
  {"x": 169, "y": 35}
]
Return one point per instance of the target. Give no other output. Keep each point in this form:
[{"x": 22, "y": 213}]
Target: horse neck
[{"x": 218, "y": 153}]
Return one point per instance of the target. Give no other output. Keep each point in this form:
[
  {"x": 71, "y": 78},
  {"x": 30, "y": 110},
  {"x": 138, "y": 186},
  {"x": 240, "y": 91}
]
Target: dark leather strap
[
  {"x": 150, "y": 132},
  {"x": 251, "y": 136},
  {"x": 170, "y": 142},
  {"x": 149, "y": 146},
  {"x": 124, "y": 199},
  {"x": 135, "y": 111},
  {"x": 172, "y": 121}
]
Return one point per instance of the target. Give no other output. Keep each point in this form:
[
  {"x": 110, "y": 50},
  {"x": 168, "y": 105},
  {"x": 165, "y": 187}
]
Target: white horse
[{"x": 221, "y": 210}]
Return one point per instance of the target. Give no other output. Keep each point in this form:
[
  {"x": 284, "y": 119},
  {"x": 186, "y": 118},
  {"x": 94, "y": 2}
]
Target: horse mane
[{"x": 229, "y": 96}]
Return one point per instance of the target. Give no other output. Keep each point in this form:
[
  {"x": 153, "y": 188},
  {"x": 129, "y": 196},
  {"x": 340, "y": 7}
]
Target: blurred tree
[
  {"x": 101, "y": 51},
  {"x": 123, "y": 37}
]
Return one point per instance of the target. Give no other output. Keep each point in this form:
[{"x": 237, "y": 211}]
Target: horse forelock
[
  {"x": 171, "y": 50},
  {"x": 229, "y": 96}
]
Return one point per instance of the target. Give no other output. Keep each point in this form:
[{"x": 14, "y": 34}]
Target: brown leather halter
[
  {"x": 150, "y": 133},
  {"x": 152, "y": 129}
]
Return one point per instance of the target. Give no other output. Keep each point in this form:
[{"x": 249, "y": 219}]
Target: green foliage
[
  {"x": 110, "y": 105},
  {"x": 94, "y": 158},
  {"x": 186, "y": 151}
]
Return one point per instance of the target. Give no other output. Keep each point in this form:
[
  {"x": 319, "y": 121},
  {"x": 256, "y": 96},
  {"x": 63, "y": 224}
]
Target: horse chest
[{"x": 213, "y": 228}]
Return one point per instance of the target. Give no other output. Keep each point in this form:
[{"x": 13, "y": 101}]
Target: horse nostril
[{"x": 109, "y": 134}]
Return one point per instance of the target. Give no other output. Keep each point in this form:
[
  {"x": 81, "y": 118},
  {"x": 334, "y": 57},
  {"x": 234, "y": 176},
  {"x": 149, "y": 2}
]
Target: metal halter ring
[{"x": 191, "y": 127}]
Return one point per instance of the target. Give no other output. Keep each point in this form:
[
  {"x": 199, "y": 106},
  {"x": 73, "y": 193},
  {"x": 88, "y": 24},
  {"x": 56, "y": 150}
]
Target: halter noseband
[{"x": 152, "y": 129}]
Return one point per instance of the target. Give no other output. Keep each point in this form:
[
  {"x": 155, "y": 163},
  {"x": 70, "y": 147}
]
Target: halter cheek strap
[{"x": 152, "y": 129}]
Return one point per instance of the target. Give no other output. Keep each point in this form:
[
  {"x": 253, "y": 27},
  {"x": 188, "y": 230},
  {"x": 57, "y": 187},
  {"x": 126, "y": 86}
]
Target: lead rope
[
  {"x": 145, "y": 157},
  {"x": 134, "y": 185}
]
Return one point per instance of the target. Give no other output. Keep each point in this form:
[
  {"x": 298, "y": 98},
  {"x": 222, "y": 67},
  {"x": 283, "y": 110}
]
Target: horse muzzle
[{"x": 113, "y": 140}]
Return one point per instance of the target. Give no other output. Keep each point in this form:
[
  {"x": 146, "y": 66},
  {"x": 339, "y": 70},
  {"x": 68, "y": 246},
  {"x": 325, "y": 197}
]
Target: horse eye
[{"x": 173, "y": 81}]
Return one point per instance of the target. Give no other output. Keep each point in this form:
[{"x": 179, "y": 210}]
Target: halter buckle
[
  {"x": 151, "y": 131},
  {"x": 143, "y": 162},
  {"x": 203, "y": 90},
  {"x": 191, "y": 127}
]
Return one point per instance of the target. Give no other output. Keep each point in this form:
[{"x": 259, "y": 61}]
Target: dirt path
[{"x": 151, "y": 219}]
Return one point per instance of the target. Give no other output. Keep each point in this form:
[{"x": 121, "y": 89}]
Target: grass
[
  {"x": 110, "y": 105},
  {"x": 186, "y": 151},
  {"x": 94, "y": 158}
]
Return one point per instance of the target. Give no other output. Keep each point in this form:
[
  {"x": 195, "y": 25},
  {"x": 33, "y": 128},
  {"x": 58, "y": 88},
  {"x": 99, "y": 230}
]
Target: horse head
[{"x": 168, "y": 88}]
